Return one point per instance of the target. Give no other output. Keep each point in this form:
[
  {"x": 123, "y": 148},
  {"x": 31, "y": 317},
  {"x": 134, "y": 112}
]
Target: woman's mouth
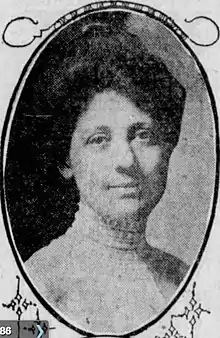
[
  {"x": 126, "y": 189},
  {"x": 124, "y": 185}
]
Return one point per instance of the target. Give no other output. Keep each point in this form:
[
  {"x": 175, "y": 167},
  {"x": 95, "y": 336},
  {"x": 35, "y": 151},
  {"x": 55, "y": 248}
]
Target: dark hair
[
  {"x": 106, "y": 60},
  {"x": 64, "y": 79}
]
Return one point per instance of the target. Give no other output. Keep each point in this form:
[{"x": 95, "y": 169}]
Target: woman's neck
[{"x": 124, "y": 234}]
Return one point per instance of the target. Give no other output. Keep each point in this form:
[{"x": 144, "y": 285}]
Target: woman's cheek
[
  {"x": 150, "y": 158},
  {"x": 89, "y": 172}
]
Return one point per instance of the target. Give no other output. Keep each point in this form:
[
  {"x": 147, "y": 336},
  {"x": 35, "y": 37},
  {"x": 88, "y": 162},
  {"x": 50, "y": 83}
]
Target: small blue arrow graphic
[{"x": 41, "y": 332}]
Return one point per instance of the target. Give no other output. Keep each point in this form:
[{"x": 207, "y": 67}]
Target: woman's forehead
[{"x": 113, "y": 110}]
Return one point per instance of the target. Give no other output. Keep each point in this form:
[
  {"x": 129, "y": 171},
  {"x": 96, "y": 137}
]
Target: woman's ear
[{"x": 66, "y": 172}]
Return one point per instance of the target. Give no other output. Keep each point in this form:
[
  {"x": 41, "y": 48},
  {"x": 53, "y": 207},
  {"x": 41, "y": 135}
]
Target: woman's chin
[{"x": 124, "y": 208}]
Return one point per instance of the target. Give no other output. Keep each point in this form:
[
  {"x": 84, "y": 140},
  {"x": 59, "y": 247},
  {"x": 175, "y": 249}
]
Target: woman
[{"x": 117, "y": 114}]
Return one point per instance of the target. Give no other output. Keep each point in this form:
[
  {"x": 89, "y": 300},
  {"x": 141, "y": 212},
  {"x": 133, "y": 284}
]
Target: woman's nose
[{"x": 123, "y": 154}]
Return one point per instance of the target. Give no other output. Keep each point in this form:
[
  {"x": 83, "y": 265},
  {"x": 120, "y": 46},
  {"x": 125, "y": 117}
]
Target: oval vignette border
[{"x": 58, "y": 26}]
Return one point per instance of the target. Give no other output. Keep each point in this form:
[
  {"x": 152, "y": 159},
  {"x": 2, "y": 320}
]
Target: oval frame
[{"x": 57, "y": 27}]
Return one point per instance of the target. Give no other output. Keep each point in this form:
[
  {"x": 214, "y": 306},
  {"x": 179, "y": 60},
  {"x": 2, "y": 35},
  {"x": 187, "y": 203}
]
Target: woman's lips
[
  {"x": 125, "y": 185},
  {"x": 126, "y": 190}
]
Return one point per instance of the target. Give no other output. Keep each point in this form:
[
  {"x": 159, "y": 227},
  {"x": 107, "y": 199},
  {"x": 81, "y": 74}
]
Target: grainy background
[{"x": 178, "y": 222}]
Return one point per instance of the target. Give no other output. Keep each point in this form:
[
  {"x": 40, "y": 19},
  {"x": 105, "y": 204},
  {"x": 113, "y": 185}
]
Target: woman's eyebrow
[
  {"x": 139, "y": 125},
  {"x": 102, "y": 128}
]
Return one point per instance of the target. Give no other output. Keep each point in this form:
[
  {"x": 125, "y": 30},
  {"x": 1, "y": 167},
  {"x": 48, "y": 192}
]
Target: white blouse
[{"x": 96, "y": 283}]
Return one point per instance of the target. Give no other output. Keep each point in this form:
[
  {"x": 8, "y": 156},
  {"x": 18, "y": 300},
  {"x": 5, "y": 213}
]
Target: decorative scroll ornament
[
  {"x": 22, "y": 31},
  {"x": 19, "y": 304},
  {"x": 208, "y": 21},
  {"x": 191, "y": 315}
]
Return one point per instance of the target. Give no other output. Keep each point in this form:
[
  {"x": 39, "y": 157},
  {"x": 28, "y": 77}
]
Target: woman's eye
[
  {"x": 97, "y": 139},
  {"x": 142, "y": 134}
]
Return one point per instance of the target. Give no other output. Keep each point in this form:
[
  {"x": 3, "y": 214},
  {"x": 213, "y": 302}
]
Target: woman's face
[{"x": 119, "y": 168}]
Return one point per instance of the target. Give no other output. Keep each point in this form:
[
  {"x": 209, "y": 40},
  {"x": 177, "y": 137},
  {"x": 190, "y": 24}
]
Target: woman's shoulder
[
  {"x": 165, "y": 266},
  {"x": 168, "y": 271},
  {"x": 50, "y": 261}
]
